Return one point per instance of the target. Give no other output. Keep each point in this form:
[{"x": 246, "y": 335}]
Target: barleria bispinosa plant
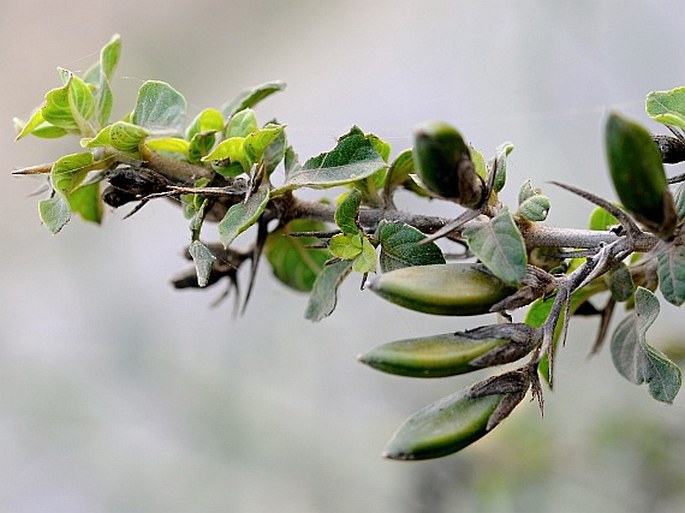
[{"x": 225, "y": 167}]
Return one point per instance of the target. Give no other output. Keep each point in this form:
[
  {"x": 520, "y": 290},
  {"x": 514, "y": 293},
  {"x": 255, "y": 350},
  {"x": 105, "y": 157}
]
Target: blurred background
[{"x": 119, "y": 394}]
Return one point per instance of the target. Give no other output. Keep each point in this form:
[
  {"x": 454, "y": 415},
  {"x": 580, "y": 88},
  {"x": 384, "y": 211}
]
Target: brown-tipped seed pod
[
  {"x": 443, "y": 289},
  {"x": 450, "y": 354}
]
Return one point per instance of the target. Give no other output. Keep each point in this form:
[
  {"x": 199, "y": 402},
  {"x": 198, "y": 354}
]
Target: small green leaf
[
  {"x": 159, "y": 108},
  {"x": 209, "y": 120},
  {"x": 672, "y": 274},
  {"x": 366, "y": 261},
  {"x": 535, "y": 208},
  {"x": 499, "y": 245},
  {"x": 203, "y": 259},
  {"x": 601, "y": 220},
  {"x": 479, "y": 165},
  {"x": 382, "y": 148},
  {"x": 275, "y": 153},
  {"x": 100, "y": 74},
  {"x": 86, "y": 201},
  {"x": 501, "y": 153},
  {"x": 38, "y": 127},
  {"x": 121, "y": 136},
  {"x": 250, "y": 97},
  {"x": 200, "y": 145},
  {"x": 667, "y": 107},
  {"x": 229, "y": 158},
  {"x": 292, "y": 261},
  {"x": 242, "y": 124},
  {"x": 324, "y": 294},
  {"x": 69, "y": 171},
  {"x": 242, "y": 215},
  {"x": 620, "y": 283},
  {"x": 346, "y": 246},
  {"x": 347, "y": 213},
  {"x": 399, "y": 171},
  {"x": 400, "y": 247},
  {"x": 54, "y": 213},
  {"x": 257, "y": 142},
  {"x": 636, "y": 360},
  {"x": 70, "y": 106},
  {"x": 174, "y": 146},
  {"x": 526, "y": 192},
  {"x": 353, "y": 158}
]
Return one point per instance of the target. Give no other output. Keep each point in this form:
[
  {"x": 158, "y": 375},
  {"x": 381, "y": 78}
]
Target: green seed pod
[
  {"x": 443, "y": 289},
  {"x": 453, "y": 353},
  {"x": 458, "y": 420},
  {"x": 443, "y": 161},
  {"x": 638, "y": 175}
]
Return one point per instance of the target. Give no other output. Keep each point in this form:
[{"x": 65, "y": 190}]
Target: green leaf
[
  {"x": 400, "y": 247},
  {"x": 601, "y": 220},
  {"x": 70, "y": 106},
  {"x": 257, "y": 142},
  {"x": 620, "y": 283},
  {"x": 200, "y": 145},
  {"x": 159, "y": 108},
  {"x": 203, "y": 259},
  {"x": 242, "y": 124},
  {"x": 242, "y": 215},
  {"x": 292, "y": 262},
  {"x": 636, "y": 360},
  {"x": 346, "y": 246},
  {"x": 37, "y": 127},
  {"x": 382, "y": 148},
  {"x": 672, "y": 274},
  {"x": 399, "y": 171},
  {"x": 352, "y": 159},
  {"x": 229, "y": 158},
  {"x": 86, "y": 201},
  {"x": 501, "y": 153},
  {"x": 121, "y": 136},
  {"x": 347, "y": 213},
  {"x": 250, "y": 97},
  {"x": 54, "y": 213},
  {"x": 499, "y": 245},
  {"x": 324, "y": 294},
  {"x": 174, "y": 146},
  {"x": 209, "y": 120},
  {"x": 479, "y": 165},
  {"x": 69, "y": 171},
  {"x": 99, "y": 76},
  {"x": 535, "y": 208},
  {"x": 275, "y": 153},
  {"x": 526, "y": 192},
  {"x": 667, "y": 107},
  {"x": 366, "y": 261}
]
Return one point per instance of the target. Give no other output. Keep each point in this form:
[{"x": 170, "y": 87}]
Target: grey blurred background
[{"x": 118, "y": 394}]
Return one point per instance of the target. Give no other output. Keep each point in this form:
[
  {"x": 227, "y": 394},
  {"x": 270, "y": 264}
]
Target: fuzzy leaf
[
  {"x": 501, "y": 153},
  {"x": 672, "y": 274},
  {"x": 54, "y": 213},
  {"x": 636, "y": 360},
  {"x": 203, "y": 259},
  {"x": 69, "y": 171},
  {"x": 70, "y": 106},
  {"x": 620, "y": 283},
  {"x": 324, "y": 294},
  {"x": 228, "y": 157},
  {"x": 292, "y": 262},
  {"x": 209, "y": 120},
  {"x": 667, "y": 107},
  {"x": 499, "y": 245},
  {"x": 346, "y": 246},
  {"x": 347, "y": 213},
  {"x": 367, "y": 259},
  {"x": 242, "y": 124},
  {"x": 122, "y": 136},
  {"x": 242, "y": 215},
  {"x": 175, "y": 146},
  {"x": 399, "y": 171},
  {"x": 400, "y": 247},
  {"x": 353, "y": 158},
  {"x": 159, "y": 108},
  {"x": 257, "y": 142},
  {"x": 250, "y": 97},
  {"x": 535, "y": 208}
]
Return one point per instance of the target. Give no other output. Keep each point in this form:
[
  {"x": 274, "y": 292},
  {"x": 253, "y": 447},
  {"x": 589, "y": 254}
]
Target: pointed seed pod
[
  {"x": 443, "y": 289},
  {"x": 443, "y": 161},
  {"x": 450, "y": 354}
]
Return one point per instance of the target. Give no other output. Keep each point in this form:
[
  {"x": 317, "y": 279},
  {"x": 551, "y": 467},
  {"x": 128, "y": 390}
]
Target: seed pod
[
  {"x": 638, "y": 175},
  {"x": 450, "y": 354},
  {"x": 443, "y": 289},
  {"x": 443, "y": 161},
  {"x": 457, "y": 420}
]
